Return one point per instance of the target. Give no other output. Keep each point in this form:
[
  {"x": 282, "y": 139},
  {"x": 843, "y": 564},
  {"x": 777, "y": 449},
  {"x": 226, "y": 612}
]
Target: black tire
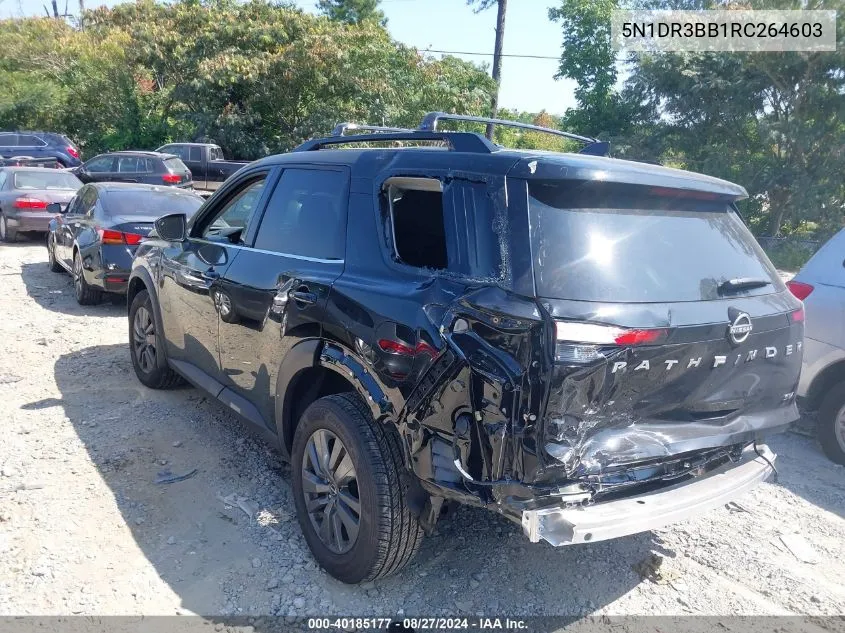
[
  {"x": 388, "y": 534},
  {"x": 149, "y": 362},
  {"x": 831, "y": 431},
  {"x": 7, "y": 234},
  {"x": 86, "y": 295},
  {"x": 55, "y": 266}
]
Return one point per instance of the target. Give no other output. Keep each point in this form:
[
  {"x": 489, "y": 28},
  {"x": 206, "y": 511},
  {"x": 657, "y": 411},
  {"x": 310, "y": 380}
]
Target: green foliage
[
  {"x": 770, "y": 121},
  {"x": 352, "y": 11},
  {"x": 255, "y": 77}
]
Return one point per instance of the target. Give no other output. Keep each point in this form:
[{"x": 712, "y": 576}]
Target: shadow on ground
[
  {"x": 207, "y": 551},
  {"x": 54, "y": 292}
]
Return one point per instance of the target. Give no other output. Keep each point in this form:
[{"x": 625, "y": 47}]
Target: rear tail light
[
  {"x": 30, "y": 203},
  {"x": 800, "y": 289},
  {"x": 72, "y": 151},
  {"x": 172, "y": 179},
  {"x": 583, "y": 342},
  {"x": 109, "y": 236}
]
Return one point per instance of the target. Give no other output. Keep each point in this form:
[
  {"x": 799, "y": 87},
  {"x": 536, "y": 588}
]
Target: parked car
[
  {"x": 590, "y": 347},
  {"x": 25, "y": 193},
  {"x": 40, "y": 145},
  {"x": 151, "y": 168},
  {"x": 95, "y": 236},
  {"x": 206, "y": 162},
  {"x": 820, "y": 284}
]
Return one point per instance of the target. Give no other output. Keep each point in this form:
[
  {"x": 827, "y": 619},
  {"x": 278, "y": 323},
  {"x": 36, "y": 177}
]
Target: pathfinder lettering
[{"x": 718, "y": 361}]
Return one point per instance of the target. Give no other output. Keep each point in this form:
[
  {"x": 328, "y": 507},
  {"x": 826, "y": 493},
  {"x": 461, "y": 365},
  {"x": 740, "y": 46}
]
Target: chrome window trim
[{"x": 317, "y": 260}]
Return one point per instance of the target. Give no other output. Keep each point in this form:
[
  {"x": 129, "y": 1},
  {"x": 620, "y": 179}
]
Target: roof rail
[
  {"x": 592, "y": 146},
  {"x": 457, "y": 141},
  {"x": 341, "y": 128}
]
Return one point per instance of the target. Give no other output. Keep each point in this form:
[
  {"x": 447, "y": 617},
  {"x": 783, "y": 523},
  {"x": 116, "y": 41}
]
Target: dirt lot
[{"x": 84, "y": 528}]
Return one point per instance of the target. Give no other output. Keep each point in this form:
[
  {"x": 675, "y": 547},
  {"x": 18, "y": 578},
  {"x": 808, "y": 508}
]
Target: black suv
[
  {"x": 149, "y": 168},
  {"x": 589, "y": 346}
]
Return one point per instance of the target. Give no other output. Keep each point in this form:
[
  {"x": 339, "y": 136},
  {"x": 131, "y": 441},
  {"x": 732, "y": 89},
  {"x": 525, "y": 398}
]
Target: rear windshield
[
  {"x": 628, "y": 245},
  {"x": 150, "y": 203},
  {"x": 46, "y": 180},
  {"x": 175, "y": 165}
]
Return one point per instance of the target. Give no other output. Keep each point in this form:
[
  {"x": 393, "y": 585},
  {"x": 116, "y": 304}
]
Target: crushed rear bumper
[{"x": 639, "y": 513}]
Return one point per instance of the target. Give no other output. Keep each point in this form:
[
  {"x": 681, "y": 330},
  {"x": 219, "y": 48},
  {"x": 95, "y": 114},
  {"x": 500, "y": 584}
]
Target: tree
[
  {"x": 501, "y": 10},
  {"x": 352, "y": 11}
]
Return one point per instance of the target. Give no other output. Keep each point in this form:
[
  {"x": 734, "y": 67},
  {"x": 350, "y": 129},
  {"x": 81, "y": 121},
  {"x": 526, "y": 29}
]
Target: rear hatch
[
  {"x": 178, "y": 173},
  {"x": 674, "y": 336}
]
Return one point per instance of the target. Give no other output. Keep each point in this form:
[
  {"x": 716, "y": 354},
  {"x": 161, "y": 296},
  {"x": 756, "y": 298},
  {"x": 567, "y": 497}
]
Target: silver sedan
[{"x": 25, "y": 193}]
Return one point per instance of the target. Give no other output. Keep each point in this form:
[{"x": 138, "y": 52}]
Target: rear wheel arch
[{"x": 826, "y": 379}]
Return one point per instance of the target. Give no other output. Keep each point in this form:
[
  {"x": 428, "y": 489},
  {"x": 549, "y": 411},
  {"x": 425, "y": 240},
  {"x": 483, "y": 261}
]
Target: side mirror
[
  {"x": 55, "y": 207},
  {"x": 173, "y": 227}
]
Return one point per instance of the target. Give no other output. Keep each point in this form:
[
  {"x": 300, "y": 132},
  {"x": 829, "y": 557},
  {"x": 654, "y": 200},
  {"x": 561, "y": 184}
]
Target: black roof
[{"x": 530, "y": 164}]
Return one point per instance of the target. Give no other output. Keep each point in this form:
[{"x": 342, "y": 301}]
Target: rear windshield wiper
[{"x": 743, "y": 283}]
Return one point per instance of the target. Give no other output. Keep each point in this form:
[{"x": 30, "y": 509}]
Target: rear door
[
  {"x": 275, "y": 291},
  {"x": 129, "y": 169},
  {"x": 31, "y": 145},
  {"x": 192, "y": 273},
  {"x": 673, "y": 331}
]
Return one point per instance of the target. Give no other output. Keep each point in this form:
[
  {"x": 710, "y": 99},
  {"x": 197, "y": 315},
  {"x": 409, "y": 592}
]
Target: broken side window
[{"x": 447, "y": 228}]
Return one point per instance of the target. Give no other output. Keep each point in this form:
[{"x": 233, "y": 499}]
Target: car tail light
[
  {"x": 109, "y": 236},
  {"x": 30, "y": 203},
  {"x": 584, "y": 342},
  {"x": 172, "y": 179},
  {"x": 800, "y": 289},
  {"x": 72, "y": 151},
  {"x": 395, "y": 347}
]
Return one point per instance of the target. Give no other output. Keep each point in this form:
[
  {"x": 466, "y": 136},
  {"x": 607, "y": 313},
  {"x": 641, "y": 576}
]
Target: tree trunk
[
  {"x": 497, "y": 62},
  {"x": 55, "y": 9}
]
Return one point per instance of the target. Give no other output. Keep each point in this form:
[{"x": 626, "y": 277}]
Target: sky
[{"x": 527, "y": 84}]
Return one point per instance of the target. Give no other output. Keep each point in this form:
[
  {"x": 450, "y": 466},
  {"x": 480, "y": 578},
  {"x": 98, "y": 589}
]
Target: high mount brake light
[
  {"x": 592, "y": 334},
  {"x": 800, "y": 289}
]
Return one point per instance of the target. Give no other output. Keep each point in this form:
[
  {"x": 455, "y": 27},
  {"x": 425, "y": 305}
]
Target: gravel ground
[{"x": 84, "y": 528}]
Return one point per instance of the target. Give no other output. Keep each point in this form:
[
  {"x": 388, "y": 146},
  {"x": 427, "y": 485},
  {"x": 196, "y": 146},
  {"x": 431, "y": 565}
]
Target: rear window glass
[
  {"x": 617, "y": 244},
  {"x": 144, "y": 202},
  {"x": 46, "y": 180},
  {"x": 175, "y": 165}
]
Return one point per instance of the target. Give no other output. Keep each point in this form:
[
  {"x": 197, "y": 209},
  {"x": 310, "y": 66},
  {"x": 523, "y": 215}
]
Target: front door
[
  {"x": 276, "y": 290},
  {"x": 192, "y": 270}
]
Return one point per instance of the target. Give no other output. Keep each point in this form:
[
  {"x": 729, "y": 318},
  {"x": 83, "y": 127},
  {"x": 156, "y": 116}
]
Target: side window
[
  {"x": 232, "y": 219},
  {"x": 444, "y": 228},
  {"x": 195, "y": 154},
  {"x": 29, "y": 140},
  {"x": 8, "y": 140},
  {"x": 130, "y": 164},
  {"x": 177, "y": 150},
  {"x": 215, "y": 153},
  {"x": 415, "y": 206},
  {"x": 306, "y": 215},
  {"x": 99, "y": 165},
  {"x": 87, "y": 201},
  {"x": 2, "y": 179}
]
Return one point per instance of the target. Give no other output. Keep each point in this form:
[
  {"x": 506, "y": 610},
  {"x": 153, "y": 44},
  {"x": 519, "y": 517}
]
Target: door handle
[{"x": 303, "y": 296}]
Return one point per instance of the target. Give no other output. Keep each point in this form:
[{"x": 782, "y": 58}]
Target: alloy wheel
[
  {"x": 330, "y": 487},
  {"x": 839, "y": 428},
  {"x": 144, "y": 339},
  {"x": 77, "y": 275},
  {"x": 223, "y": 303}
]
